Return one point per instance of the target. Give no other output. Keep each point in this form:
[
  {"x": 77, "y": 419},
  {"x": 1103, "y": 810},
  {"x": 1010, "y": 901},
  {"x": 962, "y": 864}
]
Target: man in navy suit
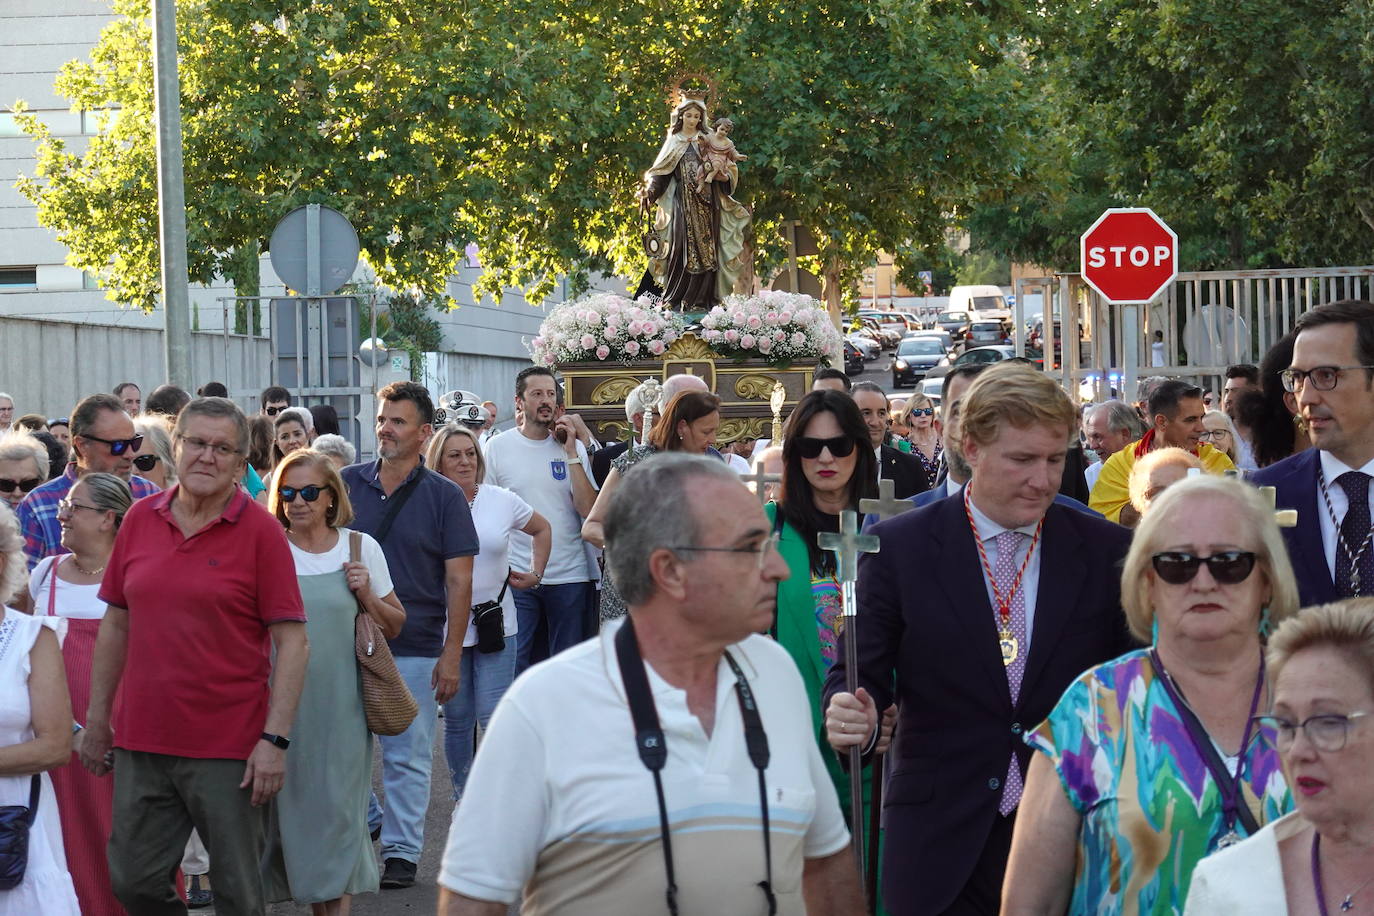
[
  {"x": 1331, "y": 376},
  {"x": 1016, "y": 597}
]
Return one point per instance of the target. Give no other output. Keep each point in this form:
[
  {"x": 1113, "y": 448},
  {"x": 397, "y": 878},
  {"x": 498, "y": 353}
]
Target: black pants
[{"x": 982, "y": 895}]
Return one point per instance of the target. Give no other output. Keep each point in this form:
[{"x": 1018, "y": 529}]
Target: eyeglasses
[
  {"x": 67, "y": 507},
  {"x": 146, "y": 462},
  {"x": 923, "y": 412},
  {"x": 1230, "y": 567},
  {"x": 273, "y": 411},
  {"x": 118, "y": 446},
  {"x": 1323, "y": 378},
  {"x": 764, "y": 547},
  {"x": 810, "y": 448},
  {"x": 23, "y": 486},
  {"x": 1213, "y": 435},
  {"x": 219, "y": 449},
  {"x": 309, "y": 494},
  {"x": 1325, "y": 732}
]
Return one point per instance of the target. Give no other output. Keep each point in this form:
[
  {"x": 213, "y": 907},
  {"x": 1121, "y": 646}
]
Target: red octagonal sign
[{"x": 1129, "y": 255}]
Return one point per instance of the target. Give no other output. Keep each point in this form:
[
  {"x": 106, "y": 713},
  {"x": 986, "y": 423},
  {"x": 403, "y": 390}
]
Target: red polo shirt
[{"x": 199, "y": 655}]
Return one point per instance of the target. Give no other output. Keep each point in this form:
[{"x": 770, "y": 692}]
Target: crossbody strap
[{"x": 396, "y": 501}]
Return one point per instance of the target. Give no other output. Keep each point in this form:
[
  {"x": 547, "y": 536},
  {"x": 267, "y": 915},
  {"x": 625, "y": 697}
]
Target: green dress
[
  {"x": 318, "y": 846},
  {"x": 802, "y": 622}
]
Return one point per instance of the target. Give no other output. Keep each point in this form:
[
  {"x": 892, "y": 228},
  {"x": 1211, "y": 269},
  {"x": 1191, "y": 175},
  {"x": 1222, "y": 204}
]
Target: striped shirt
[{"x": 38, "y": 513}]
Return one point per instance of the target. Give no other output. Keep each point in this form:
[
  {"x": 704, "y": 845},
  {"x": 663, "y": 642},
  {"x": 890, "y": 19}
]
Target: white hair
[
  {"x": 638, "y": 401},
  {"x": 336, "y": 446},
  {"x": 19, "y": 444},
  {"x": 676, "y": 384},
  {"x": 14, "y": 572},
  {"x": 304, "y": 415}
]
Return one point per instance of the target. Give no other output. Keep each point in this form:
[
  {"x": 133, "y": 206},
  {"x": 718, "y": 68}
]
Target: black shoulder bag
[
  {"x": 15, "y": 821},
  {"x": 490, "y": 622},
  {"x": 396, "y": 501},
  {"x": 653, "y": 750}
]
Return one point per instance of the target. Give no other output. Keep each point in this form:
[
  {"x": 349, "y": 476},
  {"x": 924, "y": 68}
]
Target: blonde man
[
  {"x": 1151, "y": 475},
  {"x": 1013, "y": 597}
]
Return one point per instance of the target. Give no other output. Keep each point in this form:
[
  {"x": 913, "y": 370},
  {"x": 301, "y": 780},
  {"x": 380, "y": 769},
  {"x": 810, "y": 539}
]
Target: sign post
[{"x": 1129, "y": 256}]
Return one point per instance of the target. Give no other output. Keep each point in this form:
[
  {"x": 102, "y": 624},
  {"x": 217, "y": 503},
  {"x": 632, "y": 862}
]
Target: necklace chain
[
  {"x": 1353, "y": 557},
  {"x": 83, "y": 570},
  {"x": 1003, "y": 603},
  {"x": 1348, "y": 903}
]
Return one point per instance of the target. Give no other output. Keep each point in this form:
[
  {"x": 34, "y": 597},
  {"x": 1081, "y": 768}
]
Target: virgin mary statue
[{"x": 703, "y": 226}]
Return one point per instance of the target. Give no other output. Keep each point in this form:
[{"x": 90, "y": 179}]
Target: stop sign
[{"x": 1129, "y": 255}]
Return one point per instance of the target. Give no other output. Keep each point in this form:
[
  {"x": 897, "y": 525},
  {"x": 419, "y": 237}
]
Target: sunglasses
[
  {"x": 309, "y": 494},
  {"x": 146, "y": 462},
  {"x": 923, "y": 412},
  {"x": 23, "y": 486},
  {"x": 1230, "y": 567},
  {"x": 118, "y": 446},
  {"x": 810, "y": 448},
  {"x": 273, "y": 411}
]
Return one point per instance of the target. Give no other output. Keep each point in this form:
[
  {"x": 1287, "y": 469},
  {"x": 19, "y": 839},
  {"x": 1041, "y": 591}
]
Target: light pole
[{"x": 171, "y": 196}]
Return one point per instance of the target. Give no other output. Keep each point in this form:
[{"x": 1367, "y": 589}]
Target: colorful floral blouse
[{"x": 1151, "y": 810}]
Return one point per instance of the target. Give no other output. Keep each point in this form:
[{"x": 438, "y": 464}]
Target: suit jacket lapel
[
  {"x": 959, "y": 572},
  {"x": 1062, "y": 574},
  {"x": 1305, "y": 541}
]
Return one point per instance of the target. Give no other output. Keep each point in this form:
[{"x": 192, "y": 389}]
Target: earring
[{"x": 1266, "y": 624}]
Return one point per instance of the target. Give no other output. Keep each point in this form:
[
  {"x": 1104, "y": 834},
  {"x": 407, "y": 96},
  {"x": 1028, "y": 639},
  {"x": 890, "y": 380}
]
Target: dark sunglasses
[
  {"x": 24, "y": 486},
  {"x": 309, "y": 494},
  {"x": 810, "y": 448},
  {"x": 923, "y": 412},
  {"x": 273, "y": 411},
  {"x": 1230, "y": 567},
  {"x": 146, "y": 462},
  {"x": 118, "y": 446}
]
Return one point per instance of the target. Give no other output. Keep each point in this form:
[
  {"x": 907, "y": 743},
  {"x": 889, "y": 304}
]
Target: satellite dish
[
  {"x": 314, "y": 250},
  {"x": 1217, "y": 336}
]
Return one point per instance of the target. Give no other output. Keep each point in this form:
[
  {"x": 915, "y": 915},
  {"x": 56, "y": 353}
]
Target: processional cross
[
  {"x": 887, "y": 505},
  {"x": 847, "y": 544},
  {"x": 760, "y": 481}
]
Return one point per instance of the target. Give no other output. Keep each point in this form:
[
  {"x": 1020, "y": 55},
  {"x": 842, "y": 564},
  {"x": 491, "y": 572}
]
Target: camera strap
[{"x": 653, "y": 750}]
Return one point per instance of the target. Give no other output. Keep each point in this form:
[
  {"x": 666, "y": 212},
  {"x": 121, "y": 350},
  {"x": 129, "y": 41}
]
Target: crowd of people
[{"x": 1094, "y": 671}]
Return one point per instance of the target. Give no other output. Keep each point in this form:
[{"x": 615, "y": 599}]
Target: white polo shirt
[{"x": 559, "y": 803}]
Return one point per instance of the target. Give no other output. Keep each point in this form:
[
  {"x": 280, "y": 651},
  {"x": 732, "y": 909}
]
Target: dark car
[
  {"x": 853, "y": 360},
  {"x": 915, "y": 357},
  {"x": 956, "y": 323},
  {"x": 996, "y": 354}
]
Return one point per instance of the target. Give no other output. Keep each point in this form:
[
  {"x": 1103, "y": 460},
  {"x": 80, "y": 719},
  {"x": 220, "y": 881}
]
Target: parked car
[
  {"x": 915, "y": 357},
  {"x": 982, "y": 333},
  {"x": 986, "y": 302},
  {"x": 955, "y": 322},
  {"x": 867, "y": 346},
  {"x": 853, "y": 359},
  {"x": 913, "y": 322},
  {"x": 995, "y": 354},
  {"x": 931, "y": 387},
  {"x": 887, "y": 321},
  {"x": 946, "y": 339}
]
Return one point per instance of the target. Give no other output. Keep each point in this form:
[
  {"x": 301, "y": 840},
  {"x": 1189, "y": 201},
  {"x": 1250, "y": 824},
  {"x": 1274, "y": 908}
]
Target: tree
[
  {"x": 524, "y": 126},
  {"x": 1243, "y": 124}
]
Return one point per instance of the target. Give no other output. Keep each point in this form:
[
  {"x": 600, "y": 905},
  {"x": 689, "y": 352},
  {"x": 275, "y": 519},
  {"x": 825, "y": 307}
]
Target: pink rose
[
  {"x": 632, "y": 347},
  {"x": 771, "y": 318},
  {"x": 603, "y": 351},
  {"x": 798, "y": 339},
  {"x": 754, "y": 323},
  {"x": 610, "y": 332},
  {"x": 587, "y": 341},
  {"x": 765, "y": 344},
  {"x": 656, "y": 347},
  {"x": 779, "y": 336},
  {"x": 747, "y": 342},
  {"x": 785, "y": 317},
  {"x": 737, "y": 318},
  {"x": 593, "y": 318},
  {"x": 548, "y": 359},
  {"x": 732, "y": 336}
]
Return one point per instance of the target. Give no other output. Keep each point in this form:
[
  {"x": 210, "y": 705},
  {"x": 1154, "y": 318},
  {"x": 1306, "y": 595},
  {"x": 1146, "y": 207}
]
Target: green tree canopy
[{"x": 524, "y": 126}]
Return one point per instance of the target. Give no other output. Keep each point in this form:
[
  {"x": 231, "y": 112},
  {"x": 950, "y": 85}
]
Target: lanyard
[
  {"x": 653, "y": 749},
  {"x": 1008, "y": 642},
  {"x": 1353, "y": 556},
  {"x": 1229, "y": 786}
]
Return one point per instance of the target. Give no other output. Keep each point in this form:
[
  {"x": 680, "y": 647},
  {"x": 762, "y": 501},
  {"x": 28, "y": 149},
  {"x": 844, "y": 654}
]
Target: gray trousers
[{"x": 158, "y": 800}]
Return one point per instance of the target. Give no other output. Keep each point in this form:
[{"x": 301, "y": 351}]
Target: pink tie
[{"x": 1005, "y": 574}]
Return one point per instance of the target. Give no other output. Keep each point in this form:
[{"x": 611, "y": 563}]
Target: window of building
[
  {"x": 9, "y": 127},
  {"x": 12, "y": 278}
]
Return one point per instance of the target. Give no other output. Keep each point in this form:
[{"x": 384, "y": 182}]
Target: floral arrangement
[
  {"x": 773, "y": 325},
  {"x": 605, "y": 327}
]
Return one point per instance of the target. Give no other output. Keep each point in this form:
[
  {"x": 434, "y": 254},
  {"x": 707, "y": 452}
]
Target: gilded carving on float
[
  {"x": 755, "y": 387},
  {"x": 614, "y": 390}
]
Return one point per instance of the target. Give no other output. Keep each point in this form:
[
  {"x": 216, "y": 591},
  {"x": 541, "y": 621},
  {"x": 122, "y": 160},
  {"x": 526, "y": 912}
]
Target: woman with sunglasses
[
  {"x": 1318, "y": 860},
  {"x": 918, "y": 416},
  {"x": 1152, "y": 761},
  {"x": 23, "y": 466},
  {"x": 828, "y": 465},
  {"x": 154, "y": 459},
  {"x": 66, "y": 587},
  {"x": 688, "y": 423},
  {"x": 319, "y": 850}
]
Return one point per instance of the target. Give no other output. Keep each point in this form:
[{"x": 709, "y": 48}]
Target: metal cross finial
[
  {"x": 847, "y": 544},
  {"x": 1284, "y": 518},
  {"x": 760, "y": 480},
  {"x": 887, "y": 505}
]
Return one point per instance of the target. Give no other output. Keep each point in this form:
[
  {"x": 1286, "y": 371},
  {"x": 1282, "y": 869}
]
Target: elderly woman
[
  {"x": 35, "y": 737},
  {"x": 67, "y": 587},
  {"x": 918, "y": 416},
  {"x": 319, "y": 851},
  {"x": 1151, "y": 475},
  {"x": 1320, "y": 858},
  {"x": 154, "y": 458},
  {"x": 23, "y": 466},
  {"x": 1220, "y": 433},
  {"x": 497, "y": 514},
  {"x": 688, "y": 423},
  {"x": 338, "y": 449},
  {"x": 1152, "y": 761}
]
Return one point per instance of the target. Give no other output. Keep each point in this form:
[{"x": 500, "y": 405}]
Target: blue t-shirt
[{"x": 434, "y": 525}]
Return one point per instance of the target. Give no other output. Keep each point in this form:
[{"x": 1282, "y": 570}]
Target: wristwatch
[
  {"x": 577, "y": 460},
  {"x": 277, "y": 740}
]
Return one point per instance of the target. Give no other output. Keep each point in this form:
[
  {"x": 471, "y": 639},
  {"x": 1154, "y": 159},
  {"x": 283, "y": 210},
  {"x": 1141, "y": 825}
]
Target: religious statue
[{"x": 702, "y": 228}]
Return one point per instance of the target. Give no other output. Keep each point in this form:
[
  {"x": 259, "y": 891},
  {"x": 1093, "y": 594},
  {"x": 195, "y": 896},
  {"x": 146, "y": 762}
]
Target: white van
[{"x": 987, "y": 302}]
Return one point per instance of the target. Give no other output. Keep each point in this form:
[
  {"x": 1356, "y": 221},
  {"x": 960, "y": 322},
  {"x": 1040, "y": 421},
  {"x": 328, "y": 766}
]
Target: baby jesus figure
[{"x": 717, "y": 152}]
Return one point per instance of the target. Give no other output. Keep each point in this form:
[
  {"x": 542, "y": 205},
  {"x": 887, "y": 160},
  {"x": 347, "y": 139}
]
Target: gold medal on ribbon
[{"x": 1010, "y": 646}]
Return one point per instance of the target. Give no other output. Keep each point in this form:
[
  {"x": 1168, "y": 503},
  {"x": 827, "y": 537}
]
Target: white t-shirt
[
  {"x": 538, "y": 471},
  {"x": 333, "y": 559},
  {"x": 737, "y": 464},
  {"x": 79, "y": 602},
  {"x": 559, "y": 803},
  {"x": 497, "y": 514}
]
